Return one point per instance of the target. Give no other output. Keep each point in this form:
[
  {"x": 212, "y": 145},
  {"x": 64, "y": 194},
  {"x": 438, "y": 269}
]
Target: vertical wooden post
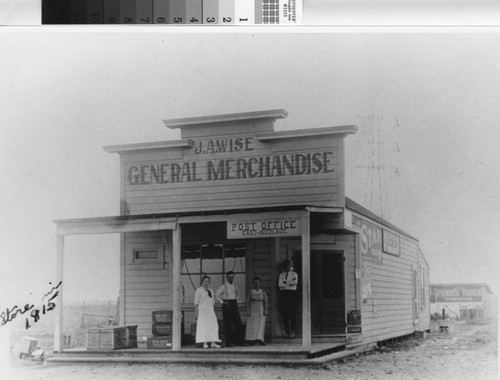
[
  {"x": 274, "y": 309},
  {"x": 58, "y": 330},
  {"x": 306, "y": 283},
  {"x": 121, "y": 296},
  {"x": 176, "y": 296}
]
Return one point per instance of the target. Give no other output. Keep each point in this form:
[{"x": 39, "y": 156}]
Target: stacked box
[
  {"x": 159, "y": 342},
  {"x": 162, "y": 323},
  {"x": 162, "y": 330}
]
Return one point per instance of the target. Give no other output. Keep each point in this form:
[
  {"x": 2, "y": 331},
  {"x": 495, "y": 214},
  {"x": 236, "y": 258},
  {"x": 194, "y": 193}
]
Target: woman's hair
[
  {"x": 256, "y": 278},
  {"x": 204, "y": 277}
]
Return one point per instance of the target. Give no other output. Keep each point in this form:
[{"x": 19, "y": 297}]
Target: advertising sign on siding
[
  {"x": 391, "y": 243},
  {"x": 456, "y": 294},
  {"x": 371, "y": 239},
  {"x": 263, "y": 228}
]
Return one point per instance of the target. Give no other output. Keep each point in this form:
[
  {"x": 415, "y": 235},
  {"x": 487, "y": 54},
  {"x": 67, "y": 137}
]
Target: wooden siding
[
  {"x": 148, "y": 282},
  {"x": 200, "y": 193},
  {"x": 389, "y": 311}
]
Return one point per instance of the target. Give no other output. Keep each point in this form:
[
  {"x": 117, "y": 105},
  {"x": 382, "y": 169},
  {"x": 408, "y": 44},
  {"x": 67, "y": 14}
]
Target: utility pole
[{"x": 376, "y": 194}]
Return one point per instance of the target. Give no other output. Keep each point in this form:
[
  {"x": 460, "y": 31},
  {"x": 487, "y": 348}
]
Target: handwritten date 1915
[{"x": 34, "y": 313}]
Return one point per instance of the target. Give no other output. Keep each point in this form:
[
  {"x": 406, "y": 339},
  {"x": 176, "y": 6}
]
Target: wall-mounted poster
[{"x": 390, "y": 243}]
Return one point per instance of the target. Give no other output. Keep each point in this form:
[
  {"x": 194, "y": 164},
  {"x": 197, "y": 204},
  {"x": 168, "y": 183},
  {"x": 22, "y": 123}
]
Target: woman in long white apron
[
  {"x": 207, "y": 328},
  {"x": 257, "y": 311}
]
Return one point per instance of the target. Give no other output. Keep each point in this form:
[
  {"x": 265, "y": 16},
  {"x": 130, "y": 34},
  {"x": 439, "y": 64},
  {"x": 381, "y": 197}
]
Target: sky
[{"x": 428, "y": 100}]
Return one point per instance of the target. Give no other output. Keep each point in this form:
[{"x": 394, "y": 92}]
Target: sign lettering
[
  {"x": 456, "y": 294},
  {"x": 371, "y": 239},
  {"x": 231, "y": 168},
  {"x": 263, "y": 228}
]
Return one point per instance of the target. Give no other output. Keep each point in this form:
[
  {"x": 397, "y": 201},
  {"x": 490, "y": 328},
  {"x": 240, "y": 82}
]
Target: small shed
[{"x": 234, "y": 194}]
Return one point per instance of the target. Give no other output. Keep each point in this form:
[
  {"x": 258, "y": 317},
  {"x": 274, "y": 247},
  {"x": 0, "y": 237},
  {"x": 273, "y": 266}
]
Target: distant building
[{"x": 463, "y": 301}]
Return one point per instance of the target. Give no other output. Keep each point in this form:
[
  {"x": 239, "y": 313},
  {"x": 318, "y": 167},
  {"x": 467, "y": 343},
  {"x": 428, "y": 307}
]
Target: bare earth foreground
[{"x": 466, "y": 352}]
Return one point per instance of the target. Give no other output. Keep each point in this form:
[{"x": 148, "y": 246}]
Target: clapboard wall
[
  {"x": 396, "y": 303},
  {"x": 146, "y": 282}
]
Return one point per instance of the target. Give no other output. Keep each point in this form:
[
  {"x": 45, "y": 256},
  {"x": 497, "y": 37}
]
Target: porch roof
[{"x": 155, "y": 222}]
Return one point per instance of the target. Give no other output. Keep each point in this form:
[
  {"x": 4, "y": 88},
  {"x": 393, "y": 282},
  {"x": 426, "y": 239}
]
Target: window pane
[{"x": 212, "y": 266}]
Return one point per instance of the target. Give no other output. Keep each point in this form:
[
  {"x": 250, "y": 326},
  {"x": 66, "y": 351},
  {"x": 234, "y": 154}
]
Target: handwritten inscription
[{"x": 9, "y": 314}]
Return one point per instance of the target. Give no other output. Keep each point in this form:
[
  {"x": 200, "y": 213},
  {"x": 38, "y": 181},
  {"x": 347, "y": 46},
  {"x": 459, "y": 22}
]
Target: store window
[{"x": 213, "y": 260}]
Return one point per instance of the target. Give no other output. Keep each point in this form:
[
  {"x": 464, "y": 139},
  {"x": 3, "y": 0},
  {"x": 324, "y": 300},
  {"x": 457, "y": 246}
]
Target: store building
[
  {"x": 234, "y": 194},
  {"x": 463, "y": 301}
]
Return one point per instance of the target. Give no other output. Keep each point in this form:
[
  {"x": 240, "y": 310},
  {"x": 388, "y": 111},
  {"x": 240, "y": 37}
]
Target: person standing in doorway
[
  {"x": 228, "y": 295},
  {"x": 257, "y": 311},
  {"x": 287, "y": 283}
]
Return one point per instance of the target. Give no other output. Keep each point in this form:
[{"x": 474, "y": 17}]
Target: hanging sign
[
  {"x": 391, "y": 243},
  {"x": 264, "y": 228}
]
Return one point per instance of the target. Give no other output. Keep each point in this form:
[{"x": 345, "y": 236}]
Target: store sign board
[
  {"x": 238, "y": 172},
  {"x": 264, "y": 228},
  {"x": 391, "y": 243},
  {"x": 456, "y": 294}
]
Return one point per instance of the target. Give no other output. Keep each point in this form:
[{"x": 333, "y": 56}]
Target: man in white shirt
[
  {"x": 227, "y": 295},
  {"x": 287, "y": 283}
]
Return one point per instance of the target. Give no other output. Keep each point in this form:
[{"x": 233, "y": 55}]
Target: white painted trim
[
  {"x": 313, "y": 132},
  {"x": 176, "y": 296},
  {"x": 306, "y": 284},
  {"x": 59, "y": 320},
  {"x": 113, "y": 225},
  {"x": 184, "y": 143},
  {"x": 332, "y": 210},
  {"x": 196, "y": 121}
]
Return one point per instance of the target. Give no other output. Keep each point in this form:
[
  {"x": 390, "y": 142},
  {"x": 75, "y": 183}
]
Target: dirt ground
[{"x": 466, "y": 352}]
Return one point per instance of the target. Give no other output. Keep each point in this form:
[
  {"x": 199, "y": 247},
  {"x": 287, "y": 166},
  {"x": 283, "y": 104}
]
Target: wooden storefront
[{"x": 234, "y": 194}]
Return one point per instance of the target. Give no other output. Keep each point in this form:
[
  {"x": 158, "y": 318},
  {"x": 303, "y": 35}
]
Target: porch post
[
  {"x": 58, "y": 330},
  {"x": 306, "y": 286},
  {"x": 176, "y": 297}
]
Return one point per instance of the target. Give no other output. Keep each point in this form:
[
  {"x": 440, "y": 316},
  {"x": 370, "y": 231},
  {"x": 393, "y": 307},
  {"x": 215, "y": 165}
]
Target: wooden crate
[
  {"x": 107, "y": 338},
  {"x": 162, "y": 316},
  {"x": 131, "y": 336},
  {"x": 162, "y": 329},
  {"x": 159, "y": 342}
]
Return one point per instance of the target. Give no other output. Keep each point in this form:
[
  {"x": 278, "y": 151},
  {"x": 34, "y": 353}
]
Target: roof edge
[
  {"x": 184, "y": 143},
  {"x": 356, "y": 207},
  {"x": 201, "y": 120},
  {"x": 296, "y": 133}
]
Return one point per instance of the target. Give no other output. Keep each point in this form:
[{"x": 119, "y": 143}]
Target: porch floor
[{"x": 273, "y": 353}]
